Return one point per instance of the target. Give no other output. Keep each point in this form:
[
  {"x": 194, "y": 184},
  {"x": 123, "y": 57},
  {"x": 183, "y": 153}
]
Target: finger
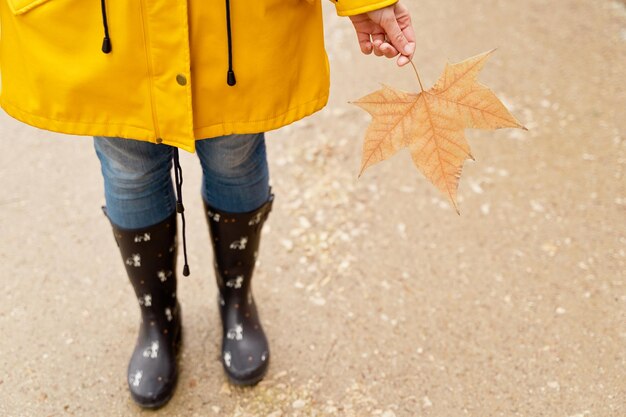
[
  {"x": 376, "y": 45},
  {"x": 377, "y": 40},
  {"x": 388, "y": 50},
  {"x": 397, "y": 38},
  {"x": 404, "y": 21},
  {"x": 364, "y": 42},
  {"x": 403, "y": 60}
]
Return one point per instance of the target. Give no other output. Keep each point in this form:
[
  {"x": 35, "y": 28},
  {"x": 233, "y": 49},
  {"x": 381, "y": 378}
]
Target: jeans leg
[
  {"x": 138, "y": 185},
  {"x": 235, "y": 171}
]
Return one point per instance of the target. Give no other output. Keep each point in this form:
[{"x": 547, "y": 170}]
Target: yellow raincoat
[{"x": 165, "y": 71}]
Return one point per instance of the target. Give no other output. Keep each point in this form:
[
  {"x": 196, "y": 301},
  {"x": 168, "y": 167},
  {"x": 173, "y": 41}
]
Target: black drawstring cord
[
  {"x": 230, "y": 76},
  {"x": 178, "y": 175},
  {"x": 106, "y": 43}
]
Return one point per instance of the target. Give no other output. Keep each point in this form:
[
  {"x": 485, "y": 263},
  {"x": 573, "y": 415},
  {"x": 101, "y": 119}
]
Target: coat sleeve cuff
[{"x": 354, "y": 7}]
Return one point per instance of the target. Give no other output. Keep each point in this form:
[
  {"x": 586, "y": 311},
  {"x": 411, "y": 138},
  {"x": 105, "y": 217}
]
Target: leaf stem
[{"x": 418, "y": 75}]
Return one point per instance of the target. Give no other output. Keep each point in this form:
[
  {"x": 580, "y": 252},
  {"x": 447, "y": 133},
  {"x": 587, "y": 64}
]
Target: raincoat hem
[
  {"x": 77, "y": 128},
  {"x": 133, "y": 132},
  {"x": 290, "y": 116}
]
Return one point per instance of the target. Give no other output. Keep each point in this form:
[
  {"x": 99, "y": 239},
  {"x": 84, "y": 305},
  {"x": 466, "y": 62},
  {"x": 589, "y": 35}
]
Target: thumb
[{"x": 395, "y": 34}]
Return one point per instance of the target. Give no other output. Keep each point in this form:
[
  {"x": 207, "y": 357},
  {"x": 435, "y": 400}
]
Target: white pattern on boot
[
  {"x": 213, "y": 216},
  {"x": 152, "y": 351},
  {"x": 164, "y": 275},
  {"x": 255, "y": 220},
  {"x": 236, "y": 333},
  {"x": 142, "y": 238},
  {"x": 239, "y": 244},
  {"x": 235, "y": 282},
  {"x": 136, "y": 378},
  {"x": 145, "y": 300},
  {"x": 134, "y": 260},
  {"x": 168, "y": 314},
  {"x": 227, "y": 358}
]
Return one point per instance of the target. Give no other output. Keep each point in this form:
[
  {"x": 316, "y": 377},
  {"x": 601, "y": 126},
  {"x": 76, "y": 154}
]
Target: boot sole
[{"x": 246, "y": 382}]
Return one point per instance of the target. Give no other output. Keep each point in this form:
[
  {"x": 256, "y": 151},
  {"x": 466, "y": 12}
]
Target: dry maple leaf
[{"x": 431, "y": 123}]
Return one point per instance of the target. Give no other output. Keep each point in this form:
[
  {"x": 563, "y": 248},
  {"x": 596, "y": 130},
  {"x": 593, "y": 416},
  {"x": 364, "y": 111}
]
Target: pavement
[{"x": 378, "y": 299}]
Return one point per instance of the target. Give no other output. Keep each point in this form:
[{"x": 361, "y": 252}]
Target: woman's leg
[
  {"x": 140, "y": 205},
  {"x": 235, "y": 171},
  {"x": 237, "y": 201},
  {"x": 138, "y": 185}
]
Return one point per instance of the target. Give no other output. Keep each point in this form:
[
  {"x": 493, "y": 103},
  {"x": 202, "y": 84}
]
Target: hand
[{"x": 391, "y": 32}]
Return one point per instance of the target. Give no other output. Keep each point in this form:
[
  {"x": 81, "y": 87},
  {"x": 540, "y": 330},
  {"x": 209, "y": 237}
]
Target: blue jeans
[{"x": 138, "y": 186}]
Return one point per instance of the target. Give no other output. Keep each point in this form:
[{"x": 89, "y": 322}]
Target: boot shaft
[
  {"x": 235, "y": 238},
  {"x": 149, "y": 256}
]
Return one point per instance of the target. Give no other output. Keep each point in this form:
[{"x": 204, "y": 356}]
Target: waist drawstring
[
  {"x": 178, "y": 175},
  {"x": 106, "y": 42},
  {"x": 230, "y": 75}
]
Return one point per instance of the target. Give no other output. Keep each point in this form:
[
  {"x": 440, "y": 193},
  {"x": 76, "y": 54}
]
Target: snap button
[
  {"x": 159, "y": 140},
  {"x": 181, "y": 79}
]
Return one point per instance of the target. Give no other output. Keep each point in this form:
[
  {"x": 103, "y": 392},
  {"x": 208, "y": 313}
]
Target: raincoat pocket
[{"x": 23, "y": 6}]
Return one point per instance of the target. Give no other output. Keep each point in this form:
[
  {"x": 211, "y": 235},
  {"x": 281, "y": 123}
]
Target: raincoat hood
[{"x": 165, "y": 71}]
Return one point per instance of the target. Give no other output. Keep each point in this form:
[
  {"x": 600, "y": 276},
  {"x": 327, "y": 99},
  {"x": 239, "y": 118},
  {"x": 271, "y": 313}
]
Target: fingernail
[{"x": 409, "y": 48}]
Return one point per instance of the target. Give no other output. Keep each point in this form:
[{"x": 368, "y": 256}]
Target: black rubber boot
[
  {"x": 235, "y": 238},
  {"x": 150, "y": 258}
]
